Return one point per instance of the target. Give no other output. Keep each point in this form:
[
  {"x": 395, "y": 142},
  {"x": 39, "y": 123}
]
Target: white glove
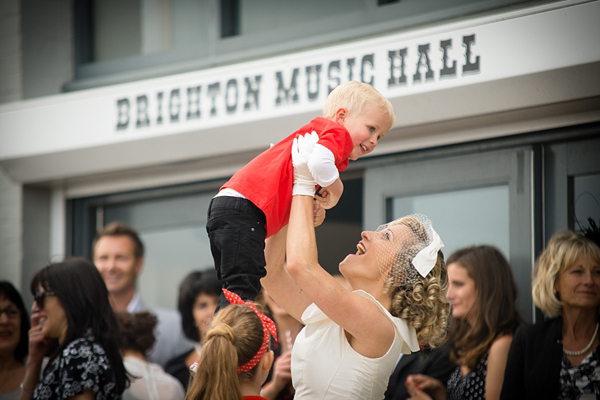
[{"x": 302, "y": 147}]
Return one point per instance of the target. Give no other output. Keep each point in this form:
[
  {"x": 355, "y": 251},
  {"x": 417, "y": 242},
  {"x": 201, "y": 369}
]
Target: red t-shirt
[
  {"x": 255, "y": 398},
  {"x": 267, "y": 180}
]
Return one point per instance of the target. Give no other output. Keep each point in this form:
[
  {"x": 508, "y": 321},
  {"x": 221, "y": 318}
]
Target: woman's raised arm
[
  {"x": 356, "y": 314},
  {"x": 278, "y": 282}
]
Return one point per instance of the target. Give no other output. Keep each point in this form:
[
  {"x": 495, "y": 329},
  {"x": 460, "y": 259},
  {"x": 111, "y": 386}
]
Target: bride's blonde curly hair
[{"x": 421, "y": 301}]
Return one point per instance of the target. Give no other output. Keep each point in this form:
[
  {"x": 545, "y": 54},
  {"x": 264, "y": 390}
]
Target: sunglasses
[{"x": 40, "y": 296}]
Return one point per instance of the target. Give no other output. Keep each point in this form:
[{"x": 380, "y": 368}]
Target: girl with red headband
[{"x": 235, "y": 359}]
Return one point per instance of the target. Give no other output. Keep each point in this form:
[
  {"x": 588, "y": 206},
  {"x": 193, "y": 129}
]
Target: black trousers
[{"x": 237, "y": 231}]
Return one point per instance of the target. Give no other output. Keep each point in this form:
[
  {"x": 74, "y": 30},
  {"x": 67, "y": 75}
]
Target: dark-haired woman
[
  {"x": 74, "y": 325},
  {"x": 482, "y": 291},
  {"x": 14, "y": 324},
  {"x": 198, "y": 296}
]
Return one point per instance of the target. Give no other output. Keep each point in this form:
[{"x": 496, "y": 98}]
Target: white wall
[{"x": 10, "y": 190}]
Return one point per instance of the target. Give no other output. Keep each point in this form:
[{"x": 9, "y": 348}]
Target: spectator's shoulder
[{"x": 539, "y": 332}]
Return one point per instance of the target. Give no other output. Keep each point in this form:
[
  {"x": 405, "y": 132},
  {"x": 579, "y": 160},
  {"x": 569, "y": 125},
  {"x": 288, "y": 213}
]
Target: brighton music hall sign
[{"x": 296, "y": 82}]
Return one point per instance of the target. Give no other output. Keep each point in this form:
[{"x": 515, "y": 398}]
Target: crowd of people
[
  {"x": 75, "y": 344},
  {"x": 268, "y": 322}
]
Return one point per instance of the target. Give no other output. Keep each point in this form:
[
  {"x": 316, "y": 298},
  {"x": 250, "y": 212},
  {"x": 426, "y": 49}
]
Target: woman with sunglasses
[
  {"x": 74, "y": 325},
  {"x": 14, "y": 324}
]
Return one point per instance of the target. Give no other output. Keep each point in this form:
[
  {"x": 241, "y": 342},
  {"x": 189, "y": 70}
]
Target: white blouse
[{"x": 151, "y": 382}]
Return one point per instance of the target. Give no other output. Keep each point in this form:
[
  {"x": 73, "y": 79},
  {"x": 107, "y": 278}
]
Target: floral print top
[
  {"x": 82, "y": 365},
  {"x": 581, "y": 379}
]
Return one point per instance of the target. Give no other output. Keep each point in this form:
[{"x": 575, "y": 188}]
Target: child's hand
[
  {"x": 326, "y": 200},
  {"x": 328, "y": 197},
  {"x": 302, "y": 147},
  {"x": 318, "y": 214}
]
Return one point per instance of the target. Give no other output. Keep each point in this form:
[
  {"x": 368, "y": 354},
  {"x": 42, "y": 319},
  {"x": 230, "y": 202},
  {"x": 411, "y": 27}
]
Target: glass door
[{"x": 472, "y": 199}]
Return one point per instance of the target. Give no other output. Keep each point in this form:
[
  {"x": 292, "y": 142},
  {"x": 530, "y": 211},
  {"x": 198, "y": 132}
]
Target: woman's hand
[
  {"x": 425, "y": 387},
  {"x": 282, "y": 372},
  {"x": 38, "y": 343},
  {"x": 319, "y": 214},
  {"x": 302, "y": 147},
  {"x": 282, "y": 375},
  {"x": 419, "y": 395}
]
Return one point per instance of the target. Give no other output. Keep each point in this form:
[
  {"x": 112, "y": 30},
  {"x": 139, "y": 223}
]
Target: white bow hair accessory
[{"x": 425, "y": 259}]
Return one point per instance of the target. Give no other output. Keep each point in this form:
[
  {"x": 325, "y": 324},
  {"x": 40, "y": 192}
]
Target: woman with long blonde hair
[
  {"x": 353, "y": 338},
  {"x": 558, "y": 356}
]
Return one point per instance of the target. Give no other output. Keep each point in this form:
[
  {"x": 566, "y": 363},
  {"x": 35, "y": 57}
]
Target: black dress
[{"x": 177, "y": 368}]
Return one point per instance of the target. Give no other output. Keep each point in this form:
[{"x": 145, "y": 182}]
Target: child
[
  {"x": 235, "y": 359},
  {"x": 255, "y": 203},
  {"x": 149, "y": 380}
]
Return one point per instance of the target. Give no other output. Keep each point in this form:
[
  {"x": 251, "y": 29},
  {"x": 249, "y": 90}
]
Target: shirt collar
[{"x": 133, "y": 304}]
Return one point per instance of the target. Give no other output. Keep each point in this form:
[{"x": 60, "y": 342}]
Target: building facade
[{"x": 140, "y": 110}]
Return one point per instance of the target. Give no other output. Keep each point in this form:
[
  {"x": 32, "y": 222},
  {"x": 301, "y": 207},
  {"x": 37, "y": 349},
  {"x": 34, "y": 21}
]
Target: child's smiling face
[{"x": 366, "y": 129}]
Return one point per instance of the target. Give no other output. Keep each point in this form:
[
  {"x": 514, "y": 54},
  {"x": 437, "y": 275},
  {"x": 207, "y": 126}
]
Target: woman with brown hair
[
  {"x": 482, "y": 291},
  {"x": 198, "y": 295}
]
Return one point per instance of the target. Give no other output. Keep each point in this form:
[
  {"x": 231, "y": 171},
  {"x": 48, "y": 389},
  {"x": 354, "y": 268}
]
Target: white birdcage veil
[{"x": 411, "y": 249}]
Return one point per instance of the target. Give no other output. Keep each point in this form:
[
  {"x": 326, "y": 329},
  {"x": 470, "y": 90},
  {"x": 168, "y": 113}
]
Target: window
[
  {"x": 471, "y": 199},
  {"x": 154, "y": 37},
  {"x": 171, "y": 222}
]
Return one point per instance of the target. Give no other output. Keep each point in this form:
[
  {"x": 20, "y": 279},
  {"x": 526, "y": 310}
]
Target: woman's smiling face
[
  {"x": 10, "y": 327},
  {"x": 51, "y": 315},
  {"x": 579, "y": 284},
  {"x": 376, "y": 254}
]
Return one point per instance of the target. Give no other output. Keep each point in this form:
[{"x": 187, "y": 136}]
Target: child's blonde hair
[
  {"x": 356, "y": 97},
  {"x": 234, "y": 337}
]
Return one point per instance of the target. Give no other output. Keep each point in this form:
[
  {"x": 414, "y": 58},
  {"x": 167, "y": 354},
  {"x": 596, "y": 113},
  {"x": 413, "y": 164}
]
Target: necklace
[{"x": 586, "y": 348}]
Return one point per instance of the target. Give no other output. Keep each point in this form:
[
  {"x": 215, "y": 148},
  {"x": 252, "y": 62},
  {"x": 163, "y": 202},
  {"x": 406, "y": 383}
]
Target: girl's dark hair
[
  {"x": 137, "y": 331},
  {"x": 194, "y": 284},
  {"x": 494, "y": 312},
  {"x": 84, "y": 298},
  {"x": 9, "y": 292}
]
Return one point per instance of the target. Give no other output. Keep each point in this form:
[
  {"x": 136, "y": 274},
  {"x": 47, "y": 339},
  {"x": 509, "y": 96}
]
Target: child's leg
[{"x": 237, "y": 232}]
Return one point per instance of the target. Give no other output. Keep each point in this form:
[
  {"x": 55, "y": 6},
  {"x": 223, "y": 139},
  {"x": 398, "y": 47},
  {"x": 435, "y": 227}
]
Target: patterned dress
[
  {"x": 470, "y": 386},
  {"x": 581, "y": 379},
  {"x": 80, "y": 366}
]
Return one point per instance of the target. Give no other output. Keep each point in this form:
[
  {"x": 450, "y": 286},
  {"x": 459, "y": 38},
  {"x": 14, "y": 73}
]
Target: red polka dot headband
[{"x": 268, "y": 327}]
